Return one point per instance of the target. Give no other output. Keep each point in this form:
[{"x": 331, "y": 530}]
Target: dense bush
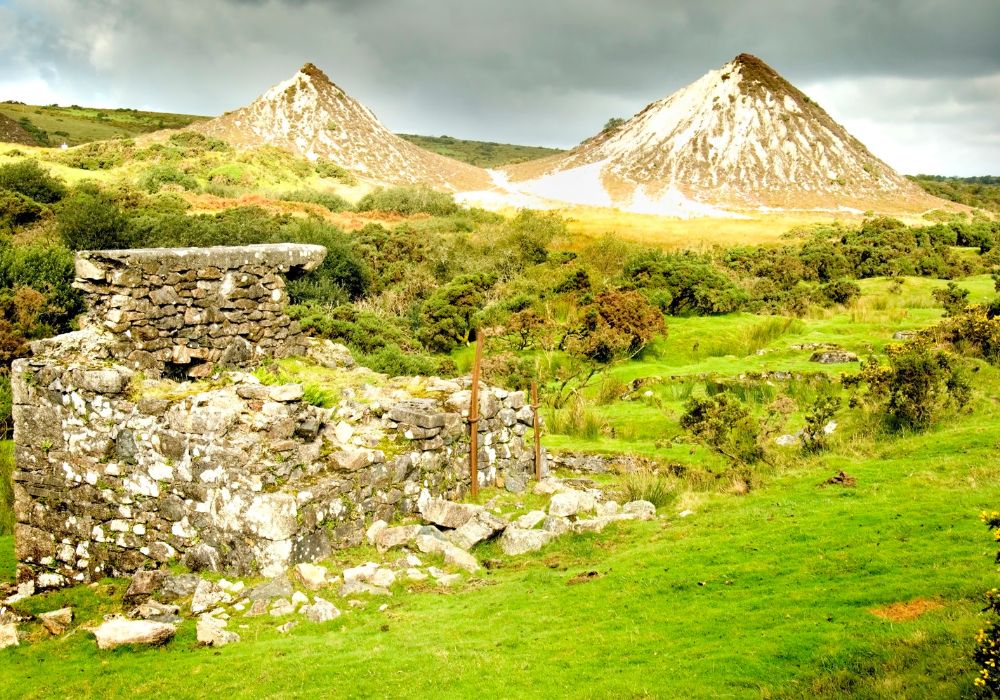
[
  {"x": 167, "y": 174},
  {"x": 987, "y": 649},
  {"x": 917, "y": 385},
  {"x": 325, "y": 168},
  {"x": 90, "y": 219},
  {"x": 692, "y": 285},
  {"x": 724, "y": 425},
  {"x": 408, "y": 201},
  {"x": 953, "y": 298},
  {"x": 617, "y": 325},
  {"x": 342, "y": 267},
  {"x": 17, "y": 210},
  {"x": 28, "y": 178},
  {"x": 333, "y": 202},
  {"x": 447, "y": 316}
]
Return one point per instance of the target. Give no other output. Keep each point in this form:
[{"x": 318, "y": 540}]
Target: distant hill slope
[
  {"x": 308, "y": 115},
  {"x": 76, "y": 125},
  {"x": 981, "y": 192},
  {"x": 740, "y": 136},
  {"x": 12, "y": 132},
  {"x": 484, "y": 154}
]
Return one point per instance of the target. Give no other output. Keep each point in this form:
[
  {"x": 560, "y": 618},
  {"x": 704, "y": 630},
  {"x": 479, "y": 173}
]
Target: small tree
[
  {"x": 953, "y": 298},
  {"x": 724, "y": 425},
  {"x": 814, "y": 435},
  {"x": 917, "y": 385}
]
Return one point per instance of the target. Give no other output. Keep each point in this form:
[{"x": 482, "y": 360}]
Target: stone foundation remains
[{"x": 120, "y": 467}]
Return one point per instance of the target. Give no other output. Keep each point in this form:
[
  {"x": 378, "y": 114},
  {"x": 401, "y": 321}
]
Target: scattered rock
[
  {"x": 212, "y": 632},
  {"x": 516, "y": 541},
  {"x": 8, "y": 635},
  {"x": 320, "y": 611},
  {"x": 280, "y": 587},
  {"x": 685, "y": 513},
  {"x": 643, "y": 510},
  {"x": 258, "y": 608},
  {"x": 207, "y": 595},
  {"x": 157, "y": 612},
  {"x": 447, "y": 514},
  {"x": 362, "y": 573},
  {"x": 287, "y": 627},
  {"x": 24, "y": 590},
  {"x": 389, "y": 537},
  {"x": 57, "y": 621},
  {"x": 530, "y": 520},
  {"x": 356, "y": 587},
  {"x": 143, "y": 585},
  {"x": 281, "y": 607},
  {"x": 383, "y": 578},
  {"x": 833, "y": 357},
  {"x": 179, "y": 586},
  {"x": 202, "y": 557},
  {"x": 607, "y": 508},
  {"x": 788, "y": 440},
  {"x": 312, "y": 576},
  {"x": 286, "y": 393},
  {"x": 547, "y": 486},
  {"x": 376, "y": 527},
  {"x": 443, "y": 578},
  {"x": 299, "y": 598},
  {"x": 415, "y": 574},
  {"x": 556, "y": 525},
  {"x": 118, "y": 631},
  {"x": 571, "y": 502},
  {"x": 482, "y": 526}
]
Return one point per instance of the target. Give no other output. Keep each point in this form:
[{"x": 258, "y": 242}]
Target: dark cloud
[{"x": 520, "y": 70}]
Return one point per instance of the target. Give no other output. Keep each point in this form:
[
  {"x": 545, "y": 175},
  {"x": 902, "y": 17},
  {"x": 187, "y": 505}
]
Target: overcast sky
[{"x": 918, "y": 81}]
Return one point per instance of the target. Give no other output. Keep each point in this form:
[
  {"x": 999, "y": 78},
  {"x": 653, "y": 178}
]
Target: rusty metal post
[
  {"x": 538, "y": 432},
  {"x": 474, "y": 417}
]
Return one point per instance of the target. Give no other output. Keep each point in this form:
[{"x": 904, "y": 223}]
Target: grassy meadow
[
  {"x": 759, "y": 579},
  {"x": 795, "y": 589}
]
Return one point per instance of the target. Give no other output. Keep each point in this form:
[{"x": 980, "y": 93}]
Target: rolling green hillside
[
  {"x": 485, "y": 154},
  {"x": 53, "y": 125}
]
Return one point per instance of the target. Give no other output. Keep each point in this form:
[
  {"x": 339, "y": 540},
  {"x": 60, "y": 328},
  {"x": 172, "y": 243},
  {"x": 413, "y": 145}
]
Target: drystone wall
[
  {"x": 119, "y": 469},
  {"x": 186, "y": 309}
]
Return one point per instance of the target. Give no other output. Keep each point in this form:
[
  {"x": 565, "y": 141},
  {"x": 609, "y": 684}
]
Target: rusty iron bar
[
  {"x": 474, "y": 417},
  {"x": 538, "y": 432}
]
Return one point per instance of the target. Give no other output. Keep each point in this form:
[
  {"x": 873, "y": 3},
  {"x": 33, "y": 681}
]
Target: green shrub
[
  {"x": 724, "y": 425},
  {"x": 333, "y": 202},
  {"x": 167, "y": 174},
  {"x": 90, "y": 219},
  {"x": 915, "y": 388},
  {"x": 446, "y": 319},
  {"x": 17, "y": 210},
  {"x": 393, "y": 361},
  {"x": 342, "y": 267},
  {"x": 814, "y": 435},
  {"x": 953, "y": 298},
  {"x": 325, "y": 168},
  {"x": 100, "y": 155},
  {"x": 987, "y": 649},
  {"x": 840, "y": 291},
  {"x": 408, "y": 201},
  {"x": 694, "y": 285},
  {"x": 27, "y": 177}
]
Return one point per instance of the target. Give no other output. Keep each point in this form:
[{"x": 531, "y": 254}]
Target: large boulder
[
  {"x": 482, "y": 526},
  {"x": 8, "y": 635},
  {"x": 447, "y": 514},
  {"x": 212, "y": 632},
  {"x": 57, "y": 621},
  {"x": 118, "y": 631},
  {"x": 571, "y": 502}
]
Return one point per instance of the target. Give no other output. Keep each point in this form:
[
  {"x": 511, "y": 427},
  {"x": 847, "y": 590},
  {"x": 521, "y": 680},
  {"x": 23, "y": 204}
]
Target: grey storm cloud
[{"x": 541, "y": 72}]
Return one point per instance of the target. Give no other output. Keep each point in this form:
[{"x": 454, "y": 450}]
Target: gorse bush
[
  {"x": 408, "y": 201},
  {"x": 28, "y": 178},
  {"x": 987, "y": 649},
  {"x": 917, "y": 385},
  {"x": 90, "y": 219},
  {"x": 329, "y": 200},
  {"x": 724, "y": 425},
  {"x": 953, "y": 298}
]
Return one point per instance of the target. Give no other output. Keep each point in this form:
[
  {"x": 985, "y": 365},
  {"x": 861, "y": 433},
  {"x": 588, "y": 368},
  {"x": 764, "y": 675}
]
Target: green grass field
[{"x": 772, "y": 594}]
